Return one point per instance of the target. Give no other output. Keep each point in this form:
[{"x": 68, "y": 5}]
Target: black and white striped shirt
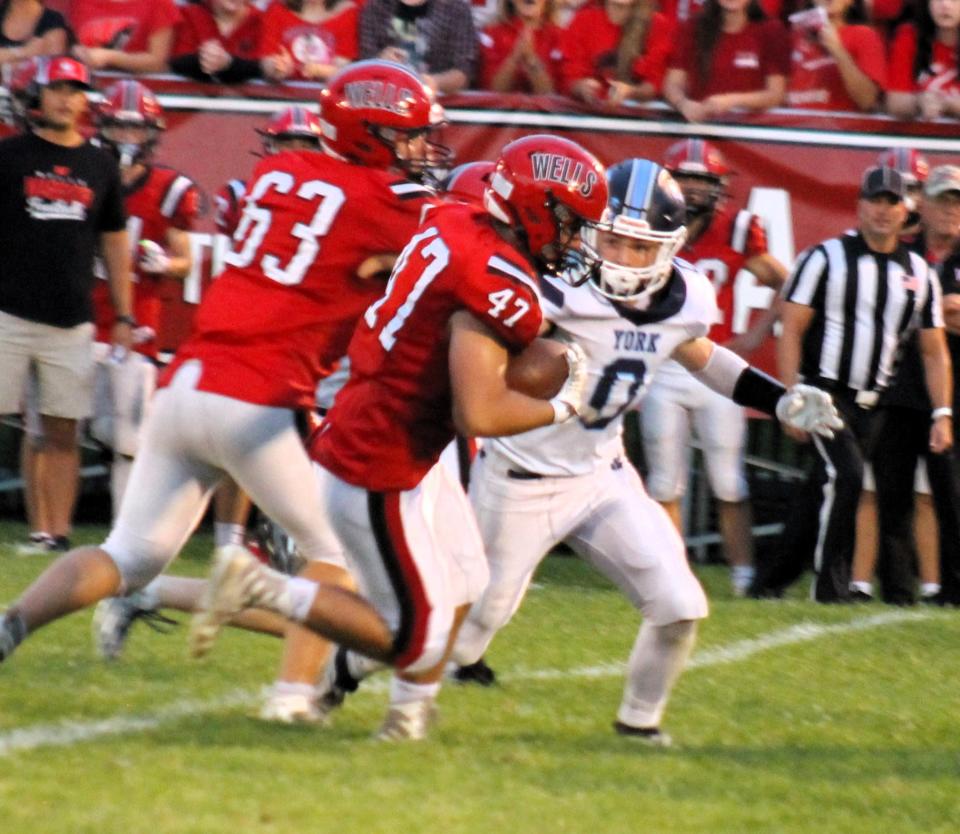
[{"x": 866, "y": 303}]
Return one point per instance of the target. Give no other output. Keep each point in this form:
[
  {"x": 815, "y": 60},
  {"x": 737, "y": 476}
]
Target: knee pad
[
  {"x": 472, "y": 642},
  {"x": 674, "y": 633},
  {"x": 725, "y": 472},
  {"x": 665, "y": 486}
]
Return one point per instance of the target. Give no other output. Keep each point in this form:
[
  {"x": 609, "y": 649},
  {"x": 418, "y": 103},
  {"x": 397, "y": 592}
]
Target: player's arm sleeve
[{"x": 730, "y": 375}]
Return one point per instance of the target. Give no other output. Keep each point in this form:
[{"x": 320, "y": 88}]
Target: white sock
[
  {"x": 404, "y": 692},
  {"x": 658, "y": 657},
  {"x": 301, "y": 593},
  {"x": 929, "y": 589},
  {"x": 225, "y": 532},
  {"x": 741, "y": 576},
  {"x": 285, "y": 688},
  {"x": 862, "y": 586}
]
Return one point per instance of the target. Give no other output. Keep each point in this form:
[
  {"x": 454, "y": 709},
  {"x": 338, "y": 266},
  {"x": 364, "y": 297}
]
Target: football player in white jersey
[{"x": 572, "y": 483}]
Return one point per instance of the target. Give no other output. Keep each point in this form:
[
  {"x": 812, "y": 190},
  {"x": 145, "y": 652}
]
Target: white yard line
[{"x": 68, "y": 733}]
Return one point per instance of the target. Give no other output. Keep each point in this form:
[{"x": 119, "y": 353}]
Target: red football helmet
[
  {"x": 371, "y": 110},
  {"x": 292, "y": 123},
  {"x": 129, "y": 105},
  {"x": 468, "y": 181},
  {"x": 911, "y": 164},
  {"x": 701, "y": 172},
  {"x": 914, "y": 168},
  {"x": 24, "y": 92},
  {"x": 548, "y": 187}
]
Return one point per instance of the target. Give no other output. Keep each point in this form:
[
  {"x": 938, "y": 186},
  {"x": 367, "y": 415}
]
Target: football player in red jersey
[
  {"x": 292, "y": 129},
  {"x": 275, "y": 322},
  {"x": 720, "y": 243},
  {"x": 427, "y": 360},
  {"x": 161, "y": 206}
]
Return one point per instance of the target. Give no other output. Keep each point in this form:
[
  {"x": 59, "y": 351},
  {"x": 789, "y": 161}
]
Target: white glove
[
  {"x": 809, "y": 409},
  {"x": 152, "y": 258},
  {"x": 566, "y": 404}
]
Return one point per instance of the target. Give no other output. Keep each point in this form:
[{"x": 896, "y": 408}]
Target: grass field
[{"x": 792, "y": 718}]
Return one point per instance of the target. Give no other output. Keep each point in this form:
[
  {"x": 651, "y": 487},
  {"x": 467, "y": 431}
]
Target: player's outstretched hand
[
  {"x": 569, "y": 398},
  {"x": 809, "y": 409}
]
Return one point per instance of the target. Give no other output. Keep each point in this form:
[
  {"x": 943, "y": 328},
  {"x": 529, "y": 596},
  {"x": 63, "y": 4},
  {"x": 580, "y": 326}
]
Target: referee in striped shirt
[{"x": 849, "y": 305}]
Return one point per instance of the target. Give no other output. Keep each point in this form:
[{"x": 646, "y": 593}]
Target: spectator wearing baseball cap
[{"x": 61, "y": 202}]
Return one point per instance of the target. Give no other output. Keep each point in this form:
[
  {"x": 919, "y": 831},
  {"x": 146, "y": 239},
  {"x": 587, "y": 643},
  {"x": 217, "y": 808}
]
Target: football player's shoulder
[{"x": 177, "y": 193}]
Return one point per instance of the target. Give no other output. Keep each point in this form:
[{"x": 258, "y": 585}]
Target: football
[{"x": 539, "y": 370}]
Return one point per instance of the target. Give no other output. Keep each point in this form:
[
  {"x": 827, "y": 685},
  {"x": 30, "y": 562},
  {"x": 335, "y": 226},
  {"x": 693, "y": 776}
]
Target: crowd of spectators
[{"x": 704, "y": 58}]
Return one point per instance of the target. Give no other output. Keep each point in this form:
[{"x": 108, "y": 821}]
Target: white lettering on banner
[{"x": 772, "y": 205}]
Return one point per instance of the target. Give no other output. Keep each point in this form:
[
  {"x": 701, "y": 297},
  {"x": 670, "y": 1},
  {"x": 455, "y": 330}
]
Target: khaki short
[{"x": 61, "y": 359}]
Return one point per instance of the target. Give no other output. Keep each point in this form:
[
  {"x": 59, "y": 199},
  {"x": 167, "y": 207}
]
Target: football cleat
[
  {"x": 37, "y": 544},
  {"x": 12, "y": 632},
  {"x": 478, "y": 673},
  {"x": 408, "y": 722},
  {"x": 650, "y": 736},
  {"x": 114, "y": 617},
  {"x": 291, "y": 708},
  {"x": 238, "y": 581}
]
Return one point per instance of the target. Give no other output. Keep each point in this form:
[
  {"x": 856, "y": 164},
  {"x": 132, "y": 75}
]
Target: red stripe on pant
[{"x": 411, "y": 577}]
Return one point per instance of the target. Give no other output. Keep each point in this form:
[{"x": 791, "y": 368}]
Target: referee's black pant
[
  {"x": 901, "y": 439},
  {"x": 820, "y": 528}
]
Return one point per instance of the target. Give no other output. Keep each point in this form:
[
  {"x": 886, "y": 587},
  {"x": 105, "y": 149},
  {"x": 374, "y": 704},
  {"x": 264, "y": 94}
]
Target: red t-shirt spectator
[
  {"x": 741, "y": 60},
  {"x": 590, "y": 48},
  {"x": 943, "y": 64},
  {"x": 498, "y": 41},
  {"x": 198, "y": 26},
  {"x": 815, "y": 80},
  {"x": 311, "y": 43},
  {"x": 125, "y": 25}
]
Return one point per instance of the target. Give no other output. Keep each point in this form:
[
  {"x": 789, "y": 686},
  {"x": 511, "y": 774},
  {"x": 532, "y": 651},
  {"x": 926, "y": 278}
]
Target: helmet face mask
[{"x": 642, "y": 231}]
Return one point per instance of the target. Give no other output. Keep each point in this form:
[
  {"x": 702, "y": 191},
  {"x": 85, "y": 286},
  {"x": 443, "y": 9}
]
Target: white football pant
[
  {"x": 191, "y": 439},
  {"x": 607, "y": 518},
  {"x": 417, "y": 554},
  {"x": 675, "y": 402}
]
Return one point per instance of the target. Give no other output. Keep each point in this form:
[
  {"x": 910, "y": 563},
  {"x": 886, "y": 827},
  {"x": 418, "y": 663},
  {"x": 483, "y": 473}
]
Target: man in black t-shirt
[{"x": 60, "y": 202}]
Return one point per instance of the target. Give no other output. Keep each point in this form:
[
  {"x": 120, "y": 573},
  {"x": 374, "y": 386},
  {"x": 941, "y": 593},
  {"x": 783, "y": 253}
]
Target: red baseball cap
[{"x": 63, "y": 69}]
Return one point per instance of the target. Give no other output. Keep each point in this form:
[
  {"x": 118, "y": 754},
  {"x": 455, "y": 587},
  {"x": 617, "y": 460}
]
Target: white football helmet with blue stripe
[{"x": 645, "y": 203}]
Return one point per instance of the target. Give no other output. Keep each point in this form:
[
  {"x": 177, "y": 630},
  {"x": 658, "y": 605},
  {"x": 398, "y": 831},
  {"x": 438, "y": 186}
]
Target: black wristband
[
  {"x": 126, "y": 320},
  {"x": 757, "y": 390}
]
